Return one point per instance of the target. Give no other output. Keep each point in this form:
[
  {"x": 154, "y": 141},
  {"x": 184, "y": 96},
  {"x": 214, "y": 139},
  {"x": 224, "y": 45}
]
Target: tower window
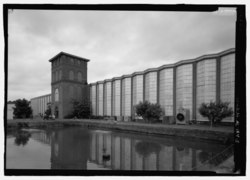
[
  {"x": 53, "y": 77},
  {"x": 60, "y": 74},
  {"x": 56, "y": 95},
  {"x": 56, "y": 75},
  {"x": 71, "y": 75},
  {"x": 79, "y": 76}
]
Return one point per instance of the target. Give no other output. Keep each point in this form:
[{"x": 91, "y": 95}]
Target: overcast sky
[{"x": 116, "y": 42}]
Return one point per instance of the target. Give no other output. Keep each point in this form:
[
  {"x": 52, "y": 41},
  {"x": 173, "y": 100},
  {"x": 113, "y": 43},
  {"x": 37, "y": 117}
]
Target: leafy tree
[
  {"x": 215, "y": 111},
  {"x": 22, "y": 109},
  {"x": 148, "y": 111},
  {"x": 80, "y": 110}
]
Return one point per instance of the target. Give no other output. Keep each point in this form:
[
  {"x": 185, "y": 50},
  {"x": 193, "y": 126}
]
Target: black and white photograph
[{"x": 125, "y": 89}]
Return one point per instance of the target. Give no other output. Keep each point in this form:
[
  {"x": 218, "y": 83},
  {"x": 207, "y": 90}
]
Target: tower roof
[{"x": 67, "y": 54}]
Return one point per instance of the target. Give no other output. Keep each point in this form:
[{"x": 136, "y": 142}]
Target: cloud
[{"x": 116, "y": 42}]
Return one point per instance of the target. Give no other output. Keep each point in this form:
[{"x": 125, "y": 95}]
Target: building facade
[
  {"x": 183, "y": 85},
  {"x": 40, "y": 104},
  {"x": 69, "y": 82}
]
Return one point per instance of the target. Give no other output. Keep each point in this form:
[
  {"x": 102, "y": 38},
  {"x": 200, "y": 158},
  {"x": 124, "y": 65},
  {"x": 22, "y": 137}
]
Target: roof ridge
[{"x": 67, "y": 54}]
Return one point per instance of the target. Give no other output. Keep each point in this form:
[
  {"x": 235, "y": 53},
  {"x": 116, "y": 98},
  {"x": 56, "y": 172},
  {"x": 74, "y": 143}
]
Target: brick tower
[{"x": 68, "y": 82}]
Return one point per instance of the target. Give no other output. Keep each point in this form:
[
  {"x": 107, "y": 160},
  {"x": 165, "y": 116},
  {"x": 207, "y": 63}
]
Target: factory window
[
  {"x": 184, "y": 88},
  {"x": 166, "y": 91},
  {"x": 93, "y": 99},
  {"x": 151, "y": 87},
  {"x": 100, "y": 99},
  {"x": 227, "y": 81},
  {"x": 56, "y": 95},
  {"x": 126, "y": 97},
  {"x": 116, "y": 97},
  {"x": 107, "y": 99},
  {"x": 206, "y": 84},
  {"x": 71, "y": 75}
]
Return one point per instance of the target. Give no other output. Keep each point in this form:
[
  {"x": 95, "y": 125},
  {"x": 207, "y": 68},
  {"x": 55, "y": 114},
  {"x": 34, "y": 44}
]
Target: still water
[{"x": 83, "y": 148}]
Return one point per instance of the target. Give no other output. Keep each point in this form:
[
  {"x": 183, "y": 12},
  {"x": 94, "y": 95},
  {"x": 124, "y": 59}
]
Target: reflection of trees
[
  {"x": 146, "y": 148},
  {"x": 22, "y": 137},
  {"x": 180, "y": 148}
]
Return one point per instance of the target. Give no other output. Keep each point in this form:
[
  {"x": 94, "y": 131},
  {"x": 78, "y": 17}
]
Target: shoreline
[{"x": 220, "y": 134}]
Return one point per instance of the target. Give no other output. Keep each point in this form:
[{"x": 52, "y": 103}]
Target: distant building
[
  {"x": 10, "y": 111},
  {"x": 40, "y": 104},
  {"x": 178, "y": 87}
]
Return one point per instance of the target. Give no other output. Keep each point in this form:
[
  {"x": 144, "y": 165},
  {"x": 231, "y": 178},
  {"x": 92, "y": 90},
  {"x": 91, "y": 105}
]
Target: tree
[
  {"x": 47, "y": 113},
  {"x": 80, "y": 110},
  {"x": 148, "y": 111},
  {"x": 215, "y": 111},
  {"x": 22, "y": 109}
]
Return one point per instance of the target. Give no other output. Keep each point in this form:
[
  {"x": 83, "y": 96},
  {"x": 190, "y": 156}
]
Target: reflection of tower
[
  {"x": 70, "y": 149},
  {"x": 69, "y": 82}
]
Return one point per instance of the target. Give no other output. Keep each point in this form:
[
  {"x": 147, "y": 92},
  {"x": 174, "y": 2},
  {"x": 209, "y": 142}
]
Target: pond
[{"x": 80, "y": 148}]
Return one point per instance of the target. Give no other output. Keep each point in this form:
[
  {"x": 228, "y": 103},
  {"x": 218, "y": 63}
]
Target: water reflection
[
  {"x": 81, "y": 148},
  {"x": 70, "y": 149},
  {"x": 22, "y": 137}
]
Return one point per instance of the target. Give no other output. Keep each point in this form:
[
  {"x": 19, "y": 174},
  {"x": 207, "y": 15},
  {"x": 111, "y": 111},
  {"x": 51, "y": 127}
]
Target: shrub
[
  {"x": 80, "y": 110},
  {"x": 215, "y": 111},
  {"x": 150, "y": 112}
]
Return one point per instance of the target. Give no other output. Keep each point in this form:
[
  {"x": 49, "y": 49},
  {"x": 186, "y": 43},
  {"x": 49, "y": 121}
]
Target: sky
[{"x": 116, "y": 42}]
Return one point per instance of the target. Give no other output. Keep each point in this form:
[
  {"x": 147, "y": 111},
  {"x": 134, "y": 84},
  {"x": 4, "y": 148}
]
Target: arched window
[
  {"x": 53, "y": 77},
  {"x": 71, "y": 75},
  {"x": 79, "y": 76},
  {"x": 56, "y": 95},
  {"x": 56, "y": 75},
  {"x": 60, "y": 74}
]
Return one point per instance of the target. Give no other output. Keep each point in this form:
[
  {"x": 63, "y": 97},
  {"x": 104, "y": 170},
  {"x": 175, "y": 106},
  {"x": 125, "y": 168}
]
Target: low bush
[{"x": 150, "y": 112}]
